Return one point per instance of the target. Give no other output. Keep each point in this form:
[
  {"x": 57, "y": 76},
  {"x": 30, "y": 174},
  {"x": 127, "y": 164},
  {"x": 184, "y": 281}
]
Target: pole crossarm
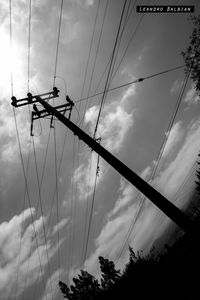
[
  {"x": 37, "y": 114},
  {"x": 30, "y": 99},
  {"x": 168, "y": 208}
]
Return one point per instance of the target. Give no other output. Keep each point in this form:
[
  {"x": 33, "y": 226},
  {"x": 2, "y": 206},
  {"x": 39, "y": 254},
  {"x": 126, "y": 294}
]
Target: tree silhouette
[
  {"x": 192, "y": 54},
  {"x": 85, "y": 287},
  {"x": 198, "y": 177},
  {"x": 108, "y": 272}
]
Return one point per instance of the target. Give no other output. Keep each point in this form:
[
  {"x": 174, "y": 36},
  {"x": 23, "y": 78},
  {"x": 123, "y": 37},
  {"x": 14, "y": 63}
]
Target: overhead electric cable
[
  {"x": 19, "y": 145},
  {"x": 58, "y": 41},
  {"x": 132, "y": 36},
  {"x": 89, "y": 53},
  {"x": 27, "y": 168},
  {"x": 129, "y": 42},
  {"x": 91, "y": 210},
  {"x": 132, "y": 82},
  {"x": 42, "y": 213},
  {"x": 86, "y": 211},
  {"x": 29, "y": 43},
  {"x": 72, "y": 229},
  {"x": 119, "y": 41},
  {"x": 39, "y": 184},
  {"x": 23, "y": 208},
  {"x": 141, "y": 204},
  {"x": 82, "y": 91},
  {"x": 109, "y": 70},
  {"x": 28, "y": 195},
  {"x": 95, "y": 59},
  {"x": 54, "y": 127}
]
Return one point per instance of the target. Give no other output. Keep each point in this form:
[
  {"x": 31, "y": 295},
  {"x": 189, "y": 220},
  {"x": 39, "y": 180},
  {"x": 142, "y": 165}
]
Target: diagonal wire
[
  {"x": 42, "y": 212},
  {"x": 85, "y": 219},
  {"x": 109, "y": 70},
  {"x": 89, "y": 53},
  {"x": 142, "y": 202},
  {"x": 95, "y": 59},
  {"x": 24, "y": 201},
  {"x": 28, "y": 195},
  {"x": 71, "y": 235},
  {"x": 19, "y": 144},
  {"x": 58, "y": 41},
  {"x": 132, "y": 36},
  {"x": 55, "y": 147},
  {"x": 29, "y": 43},
  {"x": 39, "y": 184},
  {"x": 91, "y": 211},
  {"x": 82, "y": 91},
  {"x": 132, "y": 82}
]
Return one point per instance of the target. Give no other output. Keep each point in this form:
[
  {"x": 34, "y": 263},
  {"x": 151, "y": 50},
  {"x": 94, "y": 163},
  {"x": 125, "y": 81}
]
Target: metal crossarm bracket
[
  {"x": 37, "y": 114},
  {"x": 30, "y": 99}
]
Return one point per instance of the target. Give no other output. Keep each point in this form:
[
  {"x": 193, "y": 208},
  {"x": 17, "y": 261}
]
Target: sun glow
[{"x": 10, "y": 60}]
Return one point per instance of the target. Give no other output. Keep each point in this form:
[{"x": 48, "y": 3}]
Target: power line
[
  {"x": 90, "y": 84},
  {"x": 126, "y": 18},
  {"x": 109, "y": 70},
  {"x": 27, "y": 168},
  {"x": 26, "y": 184},
  {"x": 126, "y": 49},
  {"x": 73, "y": 199},
  {"x": 39, "y": 184},
  {"x": 141, "y": 204},
  {"x": 82, "y": 91},
  {"x": 23, "y": 207},
  {"x": 90, "y": 50},
  {"x": 54, "y": 127},
  {"x": 57, "y": 206},
  {"x": 129, "y": 42},
  {"x": 42, "y": 212},
  {"x": 96, "y": 54},
  {"x": 87, "y": 204},
  {"x": 91, "y": 211},
  {"x": 29, "y": 43},
  {"x": 58, "y": 41},
  {"x": 19, "y": 144},
  {"x": 131, "y": 82}
]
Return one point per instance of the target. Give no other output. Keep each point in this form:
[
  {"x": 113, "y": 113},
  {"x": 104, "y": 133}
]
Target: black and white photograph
[{"x": 99, "y": 149}]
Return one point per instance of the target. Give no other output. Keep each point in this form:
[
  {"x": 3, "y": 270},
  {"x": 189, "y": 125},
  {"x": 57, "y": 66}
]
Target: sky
[{"x": 44, "y": 230}]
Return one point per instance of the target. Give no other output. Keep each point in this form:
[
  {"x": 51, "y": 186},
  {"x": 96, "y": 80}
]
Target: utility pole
[{"x": 168, "y": 208}]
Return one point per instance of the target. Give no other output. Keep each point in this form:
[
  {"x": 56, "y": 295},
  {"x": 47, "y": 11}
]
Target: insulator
[
  {"x": 14, "y": 101},
  {"x": 30, "y": 97},
  {"x": 55, "y": 91}
]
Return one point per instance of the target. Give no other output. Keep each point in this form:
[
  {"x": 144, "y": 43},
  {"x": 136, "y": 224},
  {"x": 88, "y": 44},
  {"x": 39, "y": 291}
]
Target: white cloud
[
  {"x": 151, "y": 222},
  {"x": 84, "y": 2},
  {"x": 113, "y": 125},
  {"x": 52, "y": 288},
  {"x": 191, "y": 96},
  {"x": 176, "y": 86},
  {"x": 18, "y": 247},
  {"x": 60, "y": 225},
  {"x": 89, "y": 2},
  {"x": 8, "y": 135},
  {"x": 172, "y": 176},
  {"x": 128, "y": 193},
  {"x": 85, "y": 174},
  {"x": 174, "y": 137},
  {"x": 113, "y": 128},
  {"x": 145, "y": 174}
]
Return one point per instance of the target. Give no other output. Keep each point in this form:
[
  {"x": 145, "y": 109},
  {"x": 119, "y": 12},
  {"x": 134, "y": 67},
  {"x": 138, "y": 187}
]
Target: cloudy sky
[{"x": 44, "y": 232}]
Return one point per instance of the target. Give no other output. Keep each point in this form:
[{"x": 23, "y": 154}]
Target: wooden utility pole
[{"x": 168, "y": 208}]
